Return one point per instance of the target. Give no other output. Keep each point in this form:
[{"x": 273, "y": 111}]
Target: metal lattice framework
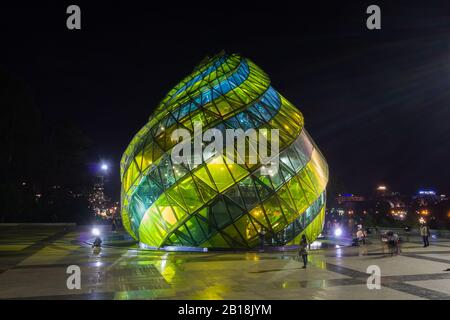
[{"x": 219, "y": 204}]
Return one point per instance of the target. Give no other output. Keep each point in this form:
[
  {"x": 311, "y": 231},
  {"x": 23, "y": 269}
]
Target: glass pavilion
[{"x": 219, "y": 204}]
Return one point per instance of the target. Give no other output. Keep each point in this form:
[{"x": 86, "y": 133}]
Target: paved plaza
[{"x": 34, "y": 261}]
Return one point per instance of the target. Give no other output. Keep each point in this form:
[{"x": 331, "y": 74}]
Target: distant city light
[
  {"x": 381, "y": 188},
  {"x": 427, "y": 192},
  {"x": 347, "y": 195}
]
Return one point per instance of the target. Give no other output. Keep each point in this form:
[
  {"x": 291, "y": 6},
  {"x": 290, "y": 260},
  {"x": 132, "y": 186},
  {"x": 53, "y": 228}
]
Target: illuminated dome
[{"x": 222, "y": 205}]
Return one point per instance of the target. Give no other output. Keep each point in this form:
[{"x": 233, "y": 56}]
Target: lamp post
[{"x": 104, "y": 169}]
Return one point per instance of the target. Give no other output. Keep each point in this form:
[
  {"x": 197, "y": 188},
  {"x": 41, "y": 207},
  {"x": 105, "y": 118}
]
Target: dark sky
[{"x": 377, "y": 103}]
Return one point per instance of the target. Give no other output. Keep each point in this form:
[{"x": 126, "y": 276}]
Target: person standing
[
  {"x": 303, "y": 251},
  {"x": 360, "y": 236},
  {"x": 425, "y": 233},
  {"x": 262, "y": 239}
]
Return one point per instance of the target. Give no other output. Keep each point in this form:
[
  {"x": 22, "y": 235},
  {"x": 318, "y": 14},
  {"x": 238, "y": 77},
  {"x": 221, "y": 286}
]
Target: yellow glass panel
[
  {"x": 149, "y": 231},
  {"x": 258, "y": 214},
  {"x": 298, "y": 197},
  {"x": 168, "y": 214},
  {"x": 320, "y": 169},
  {"x": 274, "y": 213},
  {"x": 220, "y": 174},
  {"x": 126, "y": 222},
  {"x": 284, "y": 195},
  {"x": 307, "y": 186},
  {"x": 138, "y": 158},
  {"x": 246, "y": 228},
  {"x": 134, "y": 173},
  {"x": 202, "y": 174},
  {"x": 289, "y": 213},
  {"x": 126, "y": 181},
  {"x": 223, "y": 106},
  {"x": 199, "y": 117},
  {"x": 236, "y": 170}
]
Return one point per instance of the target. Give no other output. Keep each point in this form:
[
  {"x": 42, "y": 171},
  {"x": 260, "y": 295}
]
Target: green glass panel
[
  {"x": 220, "y": 213},
  {"x": 289, "y": 212},
  {"x": 263, "y": 190},
  {"x": 248, "y": 192},
  {"x": 234, "y": 195},
  {"x": 175, "y": 195},
  {"x": 232, "y": 232},
  {"x": 207, "y": 225},
  {"x": 195, "y": 230},
  {"x": 174, "y": 240},
  {"x": 216, "y": 241},
  {"x": 206, "y": 192},
  {"x": 234, "y": 210},
  {"x": 191, "y": 196},
  {"x": 183, "y": 233}
]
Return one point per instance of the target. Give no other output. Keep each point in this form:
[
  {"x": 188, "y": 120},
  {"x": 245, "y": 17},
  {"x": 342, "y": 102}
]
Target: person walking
[
  {"x": 303, "y": 251},
  {"x": 425, "y": 233}
]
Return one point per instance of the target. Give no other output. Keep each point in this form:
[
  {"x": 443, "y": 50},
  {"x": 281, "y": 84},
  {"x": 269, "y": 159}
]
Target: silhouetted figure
[
  {"x": 303, "y": 251},
  {"x": 262, "y": 239},
  {"x": 97, "y": 242},
  {"x": 425, "y": 233}
]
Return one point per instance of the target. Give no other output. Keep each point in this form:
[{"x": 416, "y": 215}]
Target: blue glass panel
[
  {"x": 220, "y": 89},
  {"x": 166, "y": 172},
  {"x": 233, "y": 123},
  {"x": 200, "y": 76},
  {"x": 245, "y": 121}
]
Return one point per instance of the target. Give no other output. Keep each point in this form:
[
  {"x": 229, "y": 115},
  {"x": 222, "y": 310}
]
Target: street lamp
[{"x": 104, "y": 167}]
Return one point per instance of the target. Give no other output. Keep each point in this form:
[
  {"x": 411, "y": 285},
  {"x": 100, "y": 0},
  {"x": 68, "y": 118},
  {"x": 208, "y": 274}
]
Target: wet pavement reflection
[{"x": 335, "y": 271}]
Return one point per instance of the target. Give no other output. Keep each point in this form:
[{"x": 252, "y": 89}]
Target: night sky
[{"x": 377, "y": 103}]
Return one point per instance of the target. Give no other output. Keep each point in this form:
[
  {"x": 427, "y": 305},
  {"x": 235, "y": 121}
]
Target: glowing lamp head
[
  {"x": 104, "y": 167},
  {"x": 96, "y": 232},
  {"x": 338, "y": 232}
]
